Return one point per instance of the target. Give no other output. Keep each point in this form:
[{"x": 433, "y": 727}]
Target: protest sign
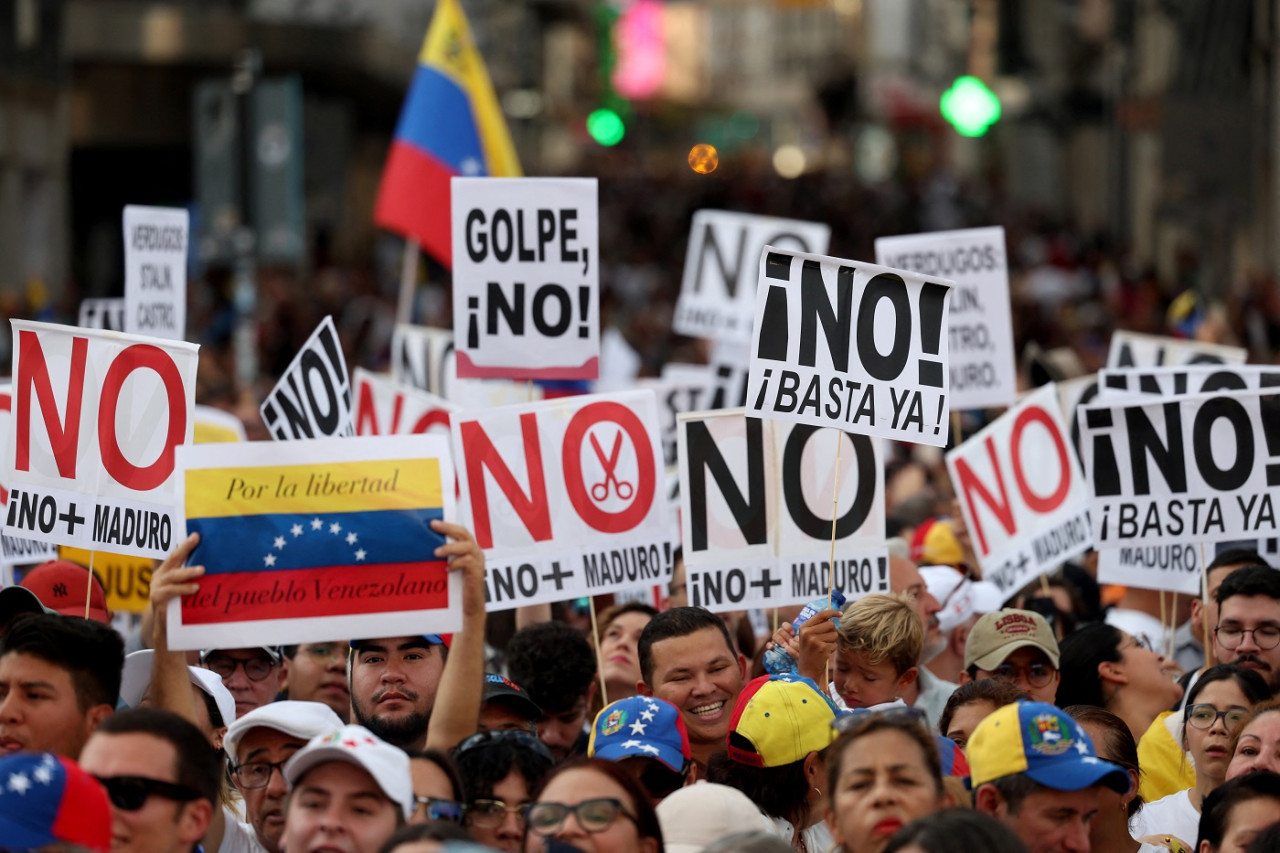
[
  {"x": 126, "y": 579},
  {"x": 1172, "y": 568},
  {"x": 526, "y": 278},
  {"x": 565, "y": 496},
  {"x": 422, "y": 357},
  {"x": 756, "y": 497},
  {"x": 213, "y": 425},
  {"x": 309, "y": 540},
  {"x": 14, "y": 550},
  {"x": 96, "y": 418},
  {"x": 1119, "y": 383},
  {"x": 155, "y": 271},
  {"x": 718, "y": 290},
  {"x": 1021, "y": 492},
  {"x": 313, "y": 397},
  {"x": 1175, "y": 470},
  {"x": 979, "y": 326},
  {"x": 102, "y": 314},
  {"x": 850, "y": 345},
  {"x": 1131, "y": 349},
  {"x": 385, "y": 408}
]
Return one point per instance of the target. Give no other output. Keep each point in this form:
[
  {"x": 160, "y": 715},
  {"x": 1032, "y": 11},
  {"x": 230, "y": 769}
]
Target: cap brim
[
  {"x": 993, "y": 659},
  {"x": 522, "y": 705},
  {"x": 21, "y": 837},
  {"x": 1079, "y": 773},
  {"x": 670, "y": 757},
  {"x": 15, "y": 600}
]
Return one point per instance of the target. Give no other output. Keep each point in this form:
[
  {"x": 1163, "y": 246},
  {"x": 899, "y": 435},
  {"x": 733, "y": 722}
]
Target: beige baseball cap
[{"x": 1001, "y": 633}]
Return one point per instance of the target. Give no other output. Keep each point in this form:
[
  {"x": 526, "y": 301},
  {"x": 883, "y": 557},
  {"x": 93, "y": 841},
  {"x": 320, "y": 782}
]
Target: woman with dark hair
[
  {"x": 956, "y": 831},
  {"x": 1103, "y": 666},
  {"x": 499, "y": 770},
  {"x": 1217, "y": 707},
  {"x": 883, "y": 772},
  {"x": 597, "y": 807},
  {"x": 971, "y": 703},
  {"x": 1110, "y": 831},
  {"x": 437, "y": 787},
  {"x": 1237, "y": 811}
]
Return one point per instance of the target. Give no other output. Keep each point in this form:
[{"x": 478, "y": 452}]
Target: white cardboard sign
[
  {"x": 1021, "y": 492},
  {"x": 313, "y": 397},
  {"x": 1131, "y": 382},
  {"x": 155, "y": 271},
  {"x": 526, "y": 278},
  {"x": 97, "y": 418},
  {"x": 565, "y": 496},
  {"x": 102, "y": 314},
  {"x": 17, "y": 551},
  {"x": 980, "y": 329},
  {"x": 756, "y": 497},
  {"x": 385, "y": 408},
  {"x": 1133, "y": 349},
  {"x": 718, "y": 290},
  {"x": 849, "y": 345},
  {"x": 1172, "y": 568}
]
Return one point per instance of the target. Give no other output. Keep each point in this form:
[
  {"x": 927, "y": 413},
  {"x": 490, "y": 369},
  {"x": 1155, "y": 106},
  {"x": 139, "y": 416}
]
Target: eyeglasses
[
  {"x": 255, "y": 668},
  {"x": 130, "y": 793},
  {"x": 256, "y": 774},
  {"x": 450, "y": 810},
  {"x": 1037, "y": 675},
  {"x": 488, "y": 813},
  {"x": 493, "y": 737},
  {"x": 1264, "y": 636},
  {"x": 592, "y": 815},
  {"x": 1204, "y": 716},
  {"x": 1140, "y": 641},
  {"x": 855, "y": 719}
]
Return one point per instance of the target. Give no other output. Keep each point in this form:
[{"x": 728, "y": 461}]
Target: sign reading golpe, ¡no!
[
  {"x": 756, "y": 500},
  {"x": 564, "y": 496},
  {"x": 848, "y": 345},
  {"x": 526, "y": 278},
  {"x": 96, "y": 420},
  {"x": 1021, "y": 492},
  {"x": 718, "y": 291}
]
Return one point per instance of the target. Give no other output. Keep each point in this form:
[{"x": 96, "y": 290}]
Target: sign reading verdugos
[
  {"x": 849, "y": 345},
  {"x": 155, "y": 271},
  {"x": 980, "y": 330},
  {"x": 526, "y": 278},
  {"x": 718, "y": 290},
  {"x": 565, "y": 496},
  {"x": 96, "y": 419}
]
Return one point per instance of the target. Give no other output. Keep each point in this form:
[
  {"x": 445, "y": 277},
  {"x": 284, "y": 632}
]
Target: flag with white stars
[{"x": 300, "y": 538}]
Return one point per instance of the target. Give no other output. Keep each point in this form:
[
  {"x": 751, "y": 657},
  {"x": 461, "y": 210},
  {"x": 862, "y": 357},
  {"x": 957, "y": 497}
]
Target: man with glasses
[
  {"x": 258, "y": 745},
  {"x": 252, "y": 675},
  {"x": 1248, "y": 629},
  {"x": 1017, "y": 647},
  {"x": 161, "y": 777},
  {"x": 317, "y": 672}
]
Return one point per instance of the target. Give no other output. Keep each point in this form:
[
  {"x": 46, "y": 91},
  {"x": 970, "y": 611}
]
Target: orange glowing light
[{"x": 703, "y": 158}]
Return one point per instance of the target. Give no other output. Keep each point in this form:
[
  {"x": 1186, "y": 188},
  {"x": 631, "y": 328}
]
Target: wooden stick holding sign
[{"x": 595, "y": 632}]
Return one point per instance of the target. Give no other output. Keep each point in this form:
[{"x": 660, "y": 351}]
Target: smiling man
[{"x": 688, "y": 659}]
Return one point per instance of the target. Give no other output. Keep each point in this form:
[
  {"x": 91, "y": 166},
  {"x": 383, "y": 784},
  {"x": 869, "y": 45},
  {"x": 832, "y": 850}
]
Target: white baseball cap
[
  {"x": 387, "y": 764},
  {"x": 136, "y": 678},
  {"x": 960, "y": 597},
  {"x": 696, "y": 815},
  {"x": 303, "y": 720}
]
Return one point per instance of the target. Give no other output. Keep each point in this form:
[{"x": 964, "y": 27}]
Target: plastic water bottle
[{"x": 778, "y": 660}]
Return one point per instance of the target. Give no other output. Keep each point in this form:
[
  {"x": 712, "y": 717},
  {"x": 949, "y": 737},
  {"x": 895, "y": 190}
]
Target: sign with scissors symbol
[{"x": 600, "y": 491}]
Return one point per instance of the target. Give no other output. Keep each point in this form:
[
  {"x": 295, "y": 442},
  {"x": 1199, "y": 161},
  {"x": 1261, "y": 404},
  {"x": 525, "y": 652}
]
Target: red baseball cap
[{"x": 61, "y": 587}]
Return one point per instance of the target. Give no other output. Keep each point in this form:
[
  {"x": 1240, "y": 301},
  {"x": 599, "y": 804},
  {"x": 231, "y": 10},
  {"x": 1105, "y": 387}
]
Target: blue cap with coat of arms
[{"x": 640, "y": 727}]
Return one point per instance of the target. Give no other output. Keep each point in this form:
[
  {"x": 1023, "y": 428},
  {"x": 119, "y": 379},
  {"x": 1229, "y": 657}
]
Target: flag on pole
[{"x": 450, "y": 124}]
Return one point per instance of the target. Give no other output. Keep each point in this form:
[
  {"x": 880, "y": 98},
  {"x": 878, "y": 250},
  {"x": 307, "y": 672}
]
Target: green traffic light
[
  {"x": 970, "y": 106},
  {"x": 606, "y": 127}
]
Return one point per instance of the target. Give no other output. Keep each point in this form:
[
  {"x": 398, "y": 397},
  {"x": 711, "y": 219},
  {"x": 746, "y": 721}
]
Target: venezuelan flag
[
  {"x": 450, "y": 124},
  {"x": 325, "y": 539}
]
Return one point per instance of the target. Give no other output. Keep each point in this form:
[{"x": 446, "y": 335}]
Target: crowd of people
[{"x": 936, "y": 718}]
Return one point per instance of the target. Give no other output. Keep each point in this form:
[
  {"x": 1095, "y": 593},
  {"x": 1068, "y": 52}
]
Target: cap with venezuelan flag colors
[
  {"x": 1042, "y": 742},
  {"x": 779, "y": 719}
]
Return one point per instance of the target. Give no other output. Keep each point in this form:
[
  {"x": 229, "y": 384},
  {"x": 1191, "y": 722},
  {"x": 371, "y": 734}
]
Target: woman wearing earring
[
  {"x": 1103, "y": 666},
  {"x": 1112, "y": 741}
]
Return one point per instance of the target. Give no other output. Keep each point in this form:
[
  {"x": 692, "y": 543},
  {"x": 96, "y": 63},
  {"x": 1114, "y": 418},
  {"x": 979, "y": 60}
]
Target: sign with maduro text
[
  {"x": 15, "y": 551},
  {"x": 565, "y": 496},
  {"x": 718, "y": 290},
  {"x": 757, "y": 498},
  {"x": 312, "y": 539},
  {"x": 980, "y": 329},
  {"x": 1185, "y": 469},
  {"x": 313, "y": 397},
  {"x": 526, "y": 278},
  {"x": 96, "y": 419},
  {"x": 1023, "y": 498},
  {"x": 1172, "y": 568},
  {"x": 850, "y": 345},
  {"x": 155, "y": 271}
]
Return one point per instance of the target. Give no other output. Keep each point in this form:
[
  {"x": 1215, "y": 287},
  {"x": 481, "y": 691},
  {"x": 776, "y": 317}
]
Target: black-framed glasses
[
  {"x": 255, "y": 669},
  {"x": 487, "y": 812},
  {"x": 130, "y": 793},
  {"x": 1037, "y": 675},
  {"x": 437, "y": 809},
  {"x": 593, "y": 816},
  {"x": 494, "y": 737},
  {"x": 1140, "y": 641},
  {"x": 855, "y": 719},
  {"x": 1203, "y": 716},
  {"x": 256, "y": 774},
  {"x": 1264, "y": 636}
]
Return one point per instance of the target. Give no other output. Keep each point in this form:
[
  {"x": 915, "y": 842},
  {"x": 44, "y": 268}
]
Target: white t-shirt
[
  {"x": 1171, "y": 815},
  {"x": 238, "y": 837},
  {"x": 817, "y": 838}
]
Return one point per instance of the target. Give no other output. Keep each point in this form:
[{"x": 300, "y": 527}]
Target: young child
[{"x": 880, "y": 640}]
